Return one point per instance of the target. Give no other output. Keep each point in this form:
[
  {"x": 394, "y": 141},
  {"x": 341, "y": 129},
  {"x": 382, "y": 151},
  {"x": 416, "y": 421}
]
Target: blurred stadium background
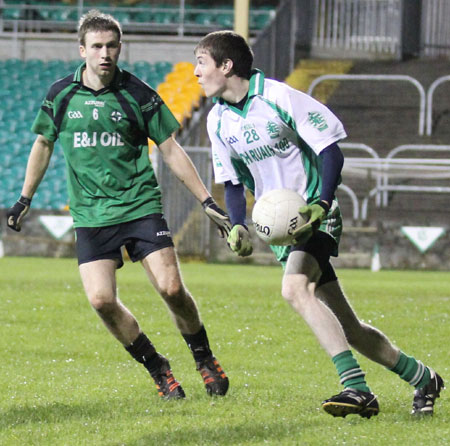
[{"x": 381, "y": 65}]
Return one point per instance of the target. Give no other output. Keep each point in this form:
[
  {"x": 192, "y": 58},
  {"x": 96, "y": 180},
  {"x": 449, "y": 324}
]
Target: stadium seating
[
  {"x": 18, "y": 78},
  {"x": 309, "y": 69},
  {"x": 218, "y": 16}
]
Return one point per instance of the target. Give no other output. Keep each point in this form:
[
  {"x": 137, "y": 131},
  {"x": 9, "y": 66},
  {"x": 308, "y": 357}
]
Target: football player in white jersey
[{"x": 266, "y": 135}]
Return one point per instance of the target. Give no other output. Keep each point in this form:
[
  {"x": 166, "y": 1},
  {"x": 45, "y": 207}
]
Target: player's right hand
[
  {"x": 218, "y": 216},
  {"x": 15, "y": 214},
  {"x": 239, "y": 241}
]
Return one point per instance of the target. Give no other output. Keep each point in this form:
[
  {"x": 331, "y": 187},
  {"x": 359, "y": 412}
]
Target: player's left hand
[
  {"x": 218, "y": 216},
  {"x": 314, "y": 215},
  {"x": 239, "y": 241}
]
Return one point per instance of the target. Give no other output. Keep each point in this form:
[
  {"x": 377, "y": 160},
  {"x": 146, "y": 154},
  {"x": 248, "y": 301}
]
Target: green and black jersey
[{"x": 104, "y": 138}]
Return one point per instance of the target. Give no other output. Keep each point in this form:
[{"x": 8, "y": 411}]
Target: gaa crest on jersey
[
  {"x": 116, "y": 116},
  {"x": 232, "y": 140},
  {"x": 273, "y": 129},
  {"x": 317, "y": 120},
  {"x": 74, "y": 114}
]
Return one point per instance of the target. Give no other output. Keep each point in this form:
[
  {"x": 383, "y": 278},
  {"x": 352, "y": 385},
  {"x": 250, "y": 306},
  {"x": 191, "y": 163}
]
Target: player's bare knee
[
  {"x": 174, "y": 294},
  {"x": 295, "y": 290},
  {"x": 102, "y": 302}
]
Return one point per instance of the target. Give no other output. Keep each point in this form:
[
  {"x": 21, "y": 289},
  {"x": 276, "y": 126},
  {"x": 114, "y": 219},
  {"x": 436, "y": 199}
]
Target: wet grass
[{"x": 65, "y": 381}]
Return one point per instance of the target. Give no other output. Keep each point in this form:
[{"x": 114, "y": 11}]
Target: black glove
[
  {"x": 15, "y": 214},
  {"x": 218, "y": 216}
]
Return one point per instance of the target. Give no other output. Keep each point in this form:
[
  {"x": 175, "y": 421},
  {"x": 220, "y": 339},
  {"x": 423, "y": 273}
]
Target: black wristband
[
  {"x": 241, "y": 224},
  {"x": 324, "y": 205},
  {"x": 24, "y": 200},
  {"x": 207, "y": 202}
]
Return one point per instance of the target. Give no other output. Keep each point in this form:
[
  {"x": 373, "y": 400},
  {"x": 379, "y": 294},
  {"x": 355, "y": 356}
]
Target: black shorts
[
  {"x": 321, "y": 246},
  {"x": 140, "y": 237}
]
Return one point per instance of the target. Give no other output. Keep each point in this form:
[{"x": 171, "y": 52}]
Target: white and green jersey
[
  {"x": 104, "y": 136},
  {"x": 274, "y": 142}
]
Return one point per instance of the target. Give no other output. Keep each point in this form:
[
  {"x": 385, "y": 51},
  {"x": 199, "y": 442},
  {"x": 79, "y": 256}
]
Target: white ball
[{"x": 275, "y": 216}]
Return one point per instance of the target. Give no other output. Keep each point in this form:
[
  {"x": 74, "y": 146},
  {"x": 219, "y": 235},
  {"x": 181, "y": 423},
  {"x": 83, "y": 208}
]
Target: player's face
[
  {"x": 212, "y": 78},
  {"x": 101, "y": 51}
]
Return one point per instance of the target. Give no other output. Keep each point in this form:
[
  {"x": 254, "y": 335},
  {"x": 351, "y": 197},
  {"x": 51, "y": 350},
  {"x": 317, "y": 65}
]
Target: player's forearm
[
  {"x": 235, "y": 202},
  {"x": 37, "y": 165},
  {"x": 332, "y": 162},
  {"x": 183, "y": 168},
  {"x": 188, "y": 175}
]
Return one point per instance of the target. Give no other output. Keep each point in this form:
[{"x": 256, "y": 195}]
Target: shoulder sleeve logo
[{"x": 317, "y": 120}]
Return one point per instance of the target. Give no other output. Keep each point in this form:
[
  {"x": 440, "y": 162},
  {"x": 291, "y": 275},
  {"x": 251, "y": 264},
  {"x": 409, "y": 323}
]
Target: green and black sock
[
  {"x": 350, "y": 372},
  {"x": 412, "y": 371}
]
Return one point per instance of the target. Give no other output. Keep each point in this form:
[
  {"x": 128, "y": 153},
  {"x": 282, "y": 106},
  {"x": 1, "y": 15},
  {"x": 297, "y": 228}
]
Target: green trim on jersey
[
  {"x": 256, "y": 87},
  {"x": 104, "y": 136},
  {"x": 219, "y": 123},
  {"x": 311, "y": 161},
  {"x": 256, "y": 83},
  {"x": 281, "y": 253},
  {"x": 243, "y": 174},
  {"x": 313, "y": 165}
]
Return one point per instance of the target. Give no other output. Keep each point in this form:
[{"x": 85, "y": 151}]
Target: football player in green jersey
[
  {"x": 103, "y": 117},
  {"x": 266, "y": 135}
]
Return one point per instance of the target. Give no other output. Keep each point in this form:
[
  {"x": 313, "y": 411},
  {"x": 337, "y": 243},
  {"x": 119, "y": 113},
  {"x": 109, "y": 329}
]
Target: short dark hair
[
  {"x": 223, "y": 45},
  {"x": 95, "y": 20}
]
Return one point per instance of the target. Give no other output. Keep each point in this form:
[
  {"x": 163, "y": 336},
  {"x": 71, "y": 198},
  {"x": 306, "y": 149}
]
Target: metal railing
[
  {"x": 424, "y": 168},
  {"x": 386, "y": 172},
  {"x": 353, "y": 198},
  {"x": 370, "y": 26},
  {"x": 188, "y": 223},
  {"x": 376, "y": 26},
  {"x": 379, "y": 77},
  {"x": 274, "y": 47},
  {"x": 430, "y": 94},
  {"x": 365, "y": 149},
  {"x": 436, "y": 28}
]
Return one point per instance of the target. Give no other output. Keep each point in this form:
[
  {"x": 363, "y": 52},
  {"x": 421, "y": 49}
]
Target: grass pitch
[{"x": 65, "y": 381}]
